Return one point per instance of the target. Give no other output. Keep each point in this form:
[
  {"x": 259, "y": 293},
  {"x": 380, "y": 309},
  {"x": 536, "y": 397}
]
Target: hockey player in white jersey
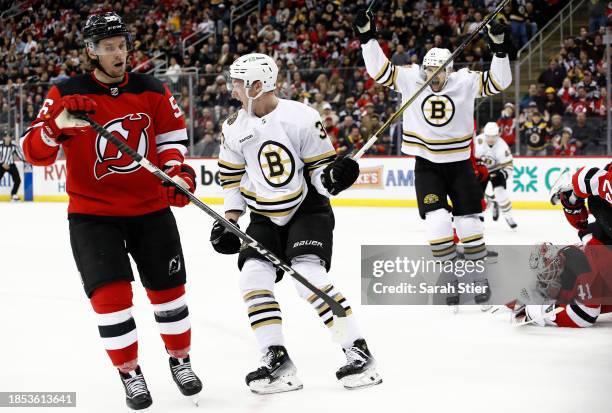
[
  {"x": 277, "y": 160},
  {"x": 438, "y": 130},
  {"x": 494, "y": 153}
]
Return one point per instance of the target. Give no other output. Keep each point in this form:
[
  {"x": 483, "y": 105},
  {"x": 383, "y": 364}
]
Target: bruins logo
[
  {"x": 438, "y": 110},
  {"x": 534, "y": 138},
  {"x": 430, "y": 199},
  {"x": 276, "y": 163},
  {"x": 232, "y": 118}
]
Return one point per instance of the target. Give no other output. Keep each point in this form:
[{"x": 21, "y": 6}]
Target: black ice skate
[
  {"x": 188, "y": 383},
  {"x": 276, "y": 374},
  {"x": 137, "y": 394},
  {"x": 360, "y": 368},
  {"x": 495, "y": 211},
  {"x": 483, "y": 297},
  {"x": 511, "y": 223}
]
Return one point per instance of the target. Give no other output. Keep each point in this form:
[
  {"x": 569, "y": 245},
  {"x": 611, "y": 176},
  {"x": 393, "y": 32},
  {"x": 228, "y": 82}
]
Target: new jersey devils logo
[{"x": 133, "y": 130}]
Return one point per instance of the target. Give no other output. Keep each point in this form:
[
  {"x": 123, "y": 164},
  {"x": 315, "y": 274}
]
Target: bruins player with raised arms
[
  {"x": 438, "y": 130},
  {"x": 277, "y": 160}
]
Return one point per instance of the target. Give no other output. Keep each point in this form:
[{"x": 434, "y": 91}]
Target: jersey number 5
[
  {"x": 177, "y": 111},
  {"x": 45, "y": 108}
]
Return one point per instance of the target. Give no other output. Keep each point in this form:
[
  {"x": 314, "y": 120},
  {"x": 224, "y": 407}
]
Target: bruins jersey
[
  {"x": 266, "y": 163},
  {"x": 535, "y": 134},
  {"x": 437, "y": 126},
  {"x": 495, "y": 157}
]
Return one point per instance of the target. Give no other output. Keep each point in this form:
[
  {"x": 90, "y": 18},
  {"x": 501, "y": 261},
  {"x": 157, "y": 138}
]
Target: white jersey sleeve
[
  {"x": 398, "y": 78},
  {"x": 231, "y": 171},
  {"x": 492, "y": 81},
  {"x": 316, "y": 151},
  {"x": 503, "y": 156}
]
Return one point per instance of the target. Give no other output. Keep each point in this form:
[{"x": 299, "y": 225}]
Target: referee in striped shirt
[{"x": 8, "y": 152}]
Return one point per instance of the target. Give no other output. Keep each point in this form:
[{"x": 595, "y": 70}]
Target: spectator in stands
[
  {"x": 174, "y": 70},
  {"x": 401, "y": 57},
  {"x": 331, "y": 129},
  {"x": 348, "y": 123},
  {"x": 532, "y": 94},
  {"x": 553, "y": 76},
  {"x": 584, "y": 133},
  {"x": 328, "y": 112},
  {"x": 506, "y": 123},
  {"x": 552, "y": 103},
  {"x": 207, "y": 147},
  {"x": 590, "y": 85},
  {"x": 597, "y": 16},
  {"x": 534, "y": 132},
  {"x": 581, "y": 104},
  {"x": 350, "y": 109},
  {"x": 565, "y": 144},
  {"x": 517, "y": 18},
  {"x": 567, "y": 93},
  {"x": 556, "y": 127},
  {"x": 354, "y": 141},
  {"x": 599, "y": 105}
]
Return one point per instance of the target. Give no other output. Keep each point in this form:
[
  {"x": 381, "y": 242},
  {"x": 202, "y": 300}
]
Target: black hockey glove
[
  {"x": 498, "y": 38},
  {"x": 223, "y": 241},
  {"x": 499, "y": 175},
  {"x": 570, "y": 202},
  {"x": 340, "y": 175},
  {"x": 364, "y": 26}
]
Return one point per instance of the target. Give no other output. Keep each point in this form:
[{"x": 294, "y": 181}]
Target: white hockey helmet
[
  {"x": 491, "y": 132},
  {"x": 253, "y": 67},
  {"x": 435, "y": 58}
]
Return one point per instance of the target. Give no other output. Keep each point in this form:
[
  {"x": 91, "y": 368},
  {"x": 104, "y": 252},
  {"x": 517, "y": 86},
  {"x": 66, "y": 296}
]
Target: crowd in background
[{"x": 312, "y": 41}]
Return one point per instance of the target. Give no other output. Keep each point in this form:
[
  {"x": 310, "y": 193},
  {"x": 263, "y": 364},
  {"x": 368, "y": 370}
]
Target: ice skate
[
  {"x": 277, "y": 374},
  {"x": 188, "y": 383},
  {"x": 360, "y": 368},
  {"x": 137, "y": 396}
]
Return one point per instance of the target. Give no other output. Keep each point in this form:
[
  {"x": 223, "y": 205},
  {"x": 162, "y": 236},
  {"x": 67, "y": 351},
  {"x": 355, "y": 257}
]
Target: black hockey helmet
[{"x": 102, "y": 26}]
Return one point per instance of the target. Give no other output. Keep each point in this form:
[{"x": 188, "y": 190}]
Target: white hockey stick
[{"x": 453, "y": 56}]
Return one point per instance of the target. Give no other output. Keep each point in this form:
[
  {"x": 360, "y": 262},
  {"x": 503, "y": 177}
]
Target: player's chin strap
[{"x": 251, "y": 99}]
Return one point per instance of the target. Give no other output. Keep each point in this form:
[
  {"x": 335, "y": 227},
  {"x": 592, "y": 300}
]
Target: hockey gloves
[
  {"x": 59, "y": 124},
  {"x": 575, "y": 211},
  {"x": 364, "y": 26},
  {"x": 223, "y": 241},
  {"x": 183, "y": 175},
  {"x": 340, "y": 175},
  {"x": 498, "y": 39},
  {"x": 482, "y": 173}
]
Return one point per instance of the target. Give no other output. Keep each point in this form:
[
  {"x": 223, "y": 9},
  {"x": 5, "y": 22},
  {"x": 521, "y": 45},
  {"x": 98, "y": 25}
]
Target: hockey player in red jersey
[
  {"x": 116, "y": 207},
  {"x": 576, "y": 283},
  {"x": 579, "y": 279}
]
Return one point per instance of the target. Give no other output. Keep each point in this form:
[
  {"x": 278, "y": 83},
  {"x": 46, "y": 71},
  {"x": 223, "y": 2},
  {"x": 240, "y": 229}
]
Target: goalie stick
[
  {"x": 405, "y": 105},
  {"x": 338, "y": 327}
]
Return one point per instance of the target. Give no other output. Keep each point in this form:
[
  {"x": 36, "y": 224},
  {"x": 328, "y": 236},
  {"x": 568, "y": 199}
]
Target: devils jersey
[
  {"x": 588, "y": 182},
  {"x": 586, "y": 283},
  {"x": 267, "y": 163},
  {"x": 438, "y": 126},
  {"x": 495, "y": 157},
  {"x": 101, "y": 180}
]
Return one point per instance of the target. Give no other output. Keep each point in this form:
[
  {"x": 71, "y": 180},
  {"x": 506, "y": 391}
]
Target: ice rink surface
[{"x": 430, "y": 359}]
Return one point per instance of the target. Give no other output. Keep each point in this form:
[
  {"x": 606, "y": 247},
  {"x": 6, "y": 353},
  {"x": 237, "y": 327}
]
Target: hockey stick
[
  {"x": 409, "y": 102},
  {"x": 338, "y": 328}
]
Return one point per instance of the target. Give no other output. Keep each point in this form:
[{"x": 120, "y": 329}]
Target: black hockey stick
[
  {"x": 430, "y": 79},
  {"x": 335, "y": 306}
]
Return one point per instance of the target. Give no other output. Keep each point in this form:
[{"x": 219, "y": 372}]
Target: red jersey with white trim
[
  {"x": 586, "y": 282},
  {"x": 593, "y": 182},
  {"x": 101, "y": 180}
]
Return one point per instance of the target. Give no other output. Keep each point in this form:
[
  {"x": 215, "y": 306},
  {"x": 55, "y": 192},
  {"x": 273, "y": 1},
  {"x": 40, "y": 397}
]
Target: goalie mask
[
  {"x": 251, "y": 68},
  {"x": 547, "y": 264},
  {"x": 433, "y": 59}
]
